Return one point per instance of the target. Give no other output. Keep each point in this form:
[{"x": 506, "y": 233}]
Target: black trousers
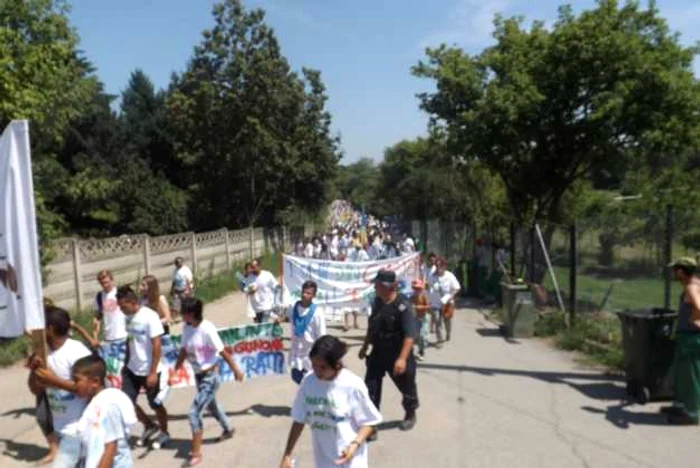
[{"x": 380, "y": 363}]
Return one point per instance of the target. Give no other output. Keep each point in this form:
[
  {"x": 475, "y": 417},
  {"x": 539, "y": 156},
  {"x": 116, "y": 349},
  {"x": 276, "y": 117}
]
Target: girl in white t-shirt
[
  {"x": 202, "y": 347},
  {"x": 335, "y": 403},
  {"x": 153, "y": 299}
]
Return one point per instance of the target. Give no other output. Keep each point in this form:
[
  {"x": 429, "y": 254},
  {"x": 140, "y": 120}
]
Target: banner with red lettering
[{"x": 257, "y": 349}]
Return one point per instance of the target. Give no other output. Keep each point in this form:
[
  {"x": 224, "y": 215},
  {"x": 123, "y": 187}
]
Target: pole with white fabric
[{"x": 21, "y": 303}]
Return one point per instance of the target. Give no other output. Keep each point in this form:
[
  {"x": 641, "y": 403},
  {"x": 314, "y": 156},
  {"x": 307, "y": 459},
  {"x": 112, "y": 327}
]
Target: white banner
[
  {"x": 345, "y": 284},
  {"x": 21, "y": 305}
]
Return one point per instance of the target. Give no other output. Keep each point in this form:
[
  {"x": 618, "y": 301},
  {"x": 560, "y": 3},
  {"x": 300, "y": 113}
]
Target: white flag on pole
[{"x": 21, "y": 304}]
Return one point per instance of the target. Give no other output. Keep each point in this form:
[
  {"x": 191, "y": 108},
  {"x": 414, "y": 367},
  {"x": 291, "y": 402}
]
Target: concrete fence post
[
  {"x": 193, "y": 252},
  {"x": 227, "y": 244},
  {"x": 77, "y": 274},
  {"x": 147, "y": 253}
]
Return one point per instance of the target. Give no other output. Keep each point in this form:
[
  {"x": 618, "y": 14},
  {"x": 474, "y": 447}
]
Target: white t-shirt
[
  {"x": 335, "y": 411},
  {"x": 142, "y": 327},
  {"x": 441, "y": 286},
  {"x": 264, "y": 297},
  {"x": 309, "y": 251},
  {"x": 409, "y": 245},
  {"x": 108, "y": 417},
  {"x": 66, "y": 407},
  {"x": 203, "y": 345},
  {"x": 181, "y": 277},
  {"x": 301, "y": 346},
  {"x": 113, "y": 319}
]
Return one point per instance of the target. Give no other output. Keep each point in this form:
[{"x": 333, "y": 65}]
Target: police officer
[{"x": 391, "y": 332}]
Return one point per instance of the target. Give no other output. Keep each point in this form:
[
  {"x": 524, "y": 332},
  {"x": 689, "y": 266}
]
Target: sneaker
[
  {"x": 419, "y": 357},
  {"x": 146, "y": 436},
  {"x": 408, "y": 422},
  {"x": 163, "y": 438},
  {"x": 373, "y": 436}
]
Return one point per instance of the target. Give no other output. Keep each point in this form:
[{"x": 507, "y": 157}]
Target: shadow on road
[
  {"x": 261, "y": 410},
  {"x": 623, "y": 419},
  {"x": 600, "y": 387},
  {"x": 388, "y": 425},
  {"x": 17, "y": 413},
  {"x": 608, "y": 387},
  {"x": 23, "y": 452},
  {"x": 496, "y": 333}
]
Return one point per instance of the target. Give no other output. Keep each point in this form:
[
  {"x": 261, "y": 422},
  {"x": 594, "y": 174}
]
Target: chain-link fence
[{"x": 603, "y": 262}]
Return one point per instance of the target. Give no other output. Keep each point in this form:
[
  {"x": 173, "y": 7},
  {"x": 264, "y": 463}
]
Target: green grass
[
  {"x": 208, "y": 290},
  {"x": 596, "y": 336},
  {"x": 627, "y": 293}
]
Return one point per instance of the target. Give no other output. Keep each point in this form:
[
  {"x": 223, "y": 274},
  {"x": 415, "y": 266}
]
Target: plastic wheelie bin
[
  {"x": 647, "y": 344},
  {"x": 519, "y": 313}
]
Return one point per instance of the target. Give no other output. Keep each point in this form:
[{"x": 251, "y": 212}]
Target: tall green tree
[
  {"x": 608, "y": 89},
  {"x": 253, "y": 135},
  {"x": 42, "y": 79}
]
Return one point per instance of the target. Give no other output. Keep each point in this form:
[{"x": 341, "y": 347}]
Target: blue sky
[{"x": 364, "y": 48}]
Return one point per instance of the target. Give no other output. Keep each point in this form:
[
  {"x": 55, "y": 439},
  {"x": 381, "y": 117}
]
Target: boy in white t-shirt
[
  {"x": 308, "y": 325},
  {"x": 335, "y": 404},
  {"x": 143, "y": 369},
  {"x": 108, "y": 315},
  {"x": 105, "y": 423},
  {"x": 202, "y": 346},
  {"x": 64, "y": 407}
]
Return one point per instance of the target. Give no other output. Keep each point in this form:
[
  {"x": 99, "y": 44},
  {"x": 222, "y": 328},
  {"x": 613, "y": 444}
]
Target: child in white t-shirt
[
  {"x": 202, "y": 346},
  {"x": 54, "y": 378},
  {"x": 104, "y": 426},
  {"x": 308, "y": 325},
  {"x": 335, "y": 403}
]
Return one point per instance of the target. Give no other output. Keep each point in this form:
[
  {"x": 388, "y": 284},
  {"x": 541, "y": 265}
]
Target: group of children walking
[{"x": 87, "y": 422}]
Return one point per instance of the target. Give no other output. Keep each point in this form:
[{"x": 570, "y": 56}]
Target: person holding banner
[
  {"x": 202, "y": 347},
  {"x": 391, "y": 333},
  {"x": 55, "y": 378},
  {"x": 335, "y": 403}
]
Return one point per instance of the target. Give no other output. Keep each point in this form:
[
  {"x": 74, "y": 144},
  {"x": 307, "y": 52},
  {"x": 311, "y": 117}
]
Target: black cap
[{"x": 385, "y": 276}]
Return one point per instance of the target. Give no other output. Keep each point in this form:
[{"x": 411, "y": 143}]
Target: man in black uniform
[{"x": 391, "y": 332}]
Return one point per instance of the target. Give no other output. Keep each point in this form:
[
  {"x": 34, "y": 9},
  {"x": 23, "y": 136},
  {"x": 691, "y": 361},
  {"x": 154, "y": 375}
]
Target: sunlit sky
[{"x": 364, "y": 48}]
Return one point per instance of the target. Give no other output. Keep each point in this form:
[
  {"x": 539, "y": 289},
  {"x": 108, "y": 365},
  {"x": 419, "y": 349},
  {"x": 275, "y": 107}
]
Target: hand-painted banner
[
  {"x": 345, "y": 284},
  {"x": 257, "y": 349}
]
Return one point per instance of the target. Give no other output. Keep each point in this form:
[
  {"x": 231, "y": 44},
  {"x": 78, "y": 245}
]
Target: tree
[
  {"x": 253, "y": 135},
  {"x": 543, "y": 108},
  {"x": 358, "y": 183}
]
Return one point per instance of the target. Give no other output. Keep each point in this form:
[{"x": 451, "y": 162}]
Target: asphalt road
[{"x": 485, "y": 403}]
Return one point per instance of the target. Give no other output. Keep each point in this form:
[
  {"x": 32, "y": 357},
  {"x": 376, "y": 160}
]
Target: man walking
[
  {"x": 182, "y": 286},
  {"x": 686, "y": 363},
  {"x": 391, "y": 332}
]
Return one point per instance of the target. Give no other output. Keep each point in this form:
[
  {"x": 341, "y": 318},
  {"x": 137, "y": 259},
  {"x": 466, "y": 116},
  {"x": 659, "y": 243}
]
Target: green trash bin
[
  {"x": 519, "y": 312},
  {"x": 648, "y": 347}
]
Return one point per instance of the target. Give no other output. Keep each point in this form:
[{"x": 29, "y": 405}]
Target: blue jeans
[{"x": 207, "y": 385}]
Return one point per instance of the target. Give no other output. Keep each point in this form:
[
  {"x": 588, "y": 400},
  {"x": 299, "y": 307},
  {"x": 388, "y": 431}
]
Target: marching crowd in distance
[{"x": 87, "y": 423}]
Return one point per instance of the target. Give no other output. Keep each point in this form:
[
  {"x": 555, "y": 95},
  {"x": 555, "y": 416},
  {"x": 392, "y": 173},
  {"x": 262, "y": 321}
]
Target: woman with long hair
[{"x": 152, "y": 298}]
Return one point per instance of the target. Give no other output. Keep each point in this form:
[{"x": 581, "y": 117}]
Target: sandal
[{"x": 194, "y": 460}]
